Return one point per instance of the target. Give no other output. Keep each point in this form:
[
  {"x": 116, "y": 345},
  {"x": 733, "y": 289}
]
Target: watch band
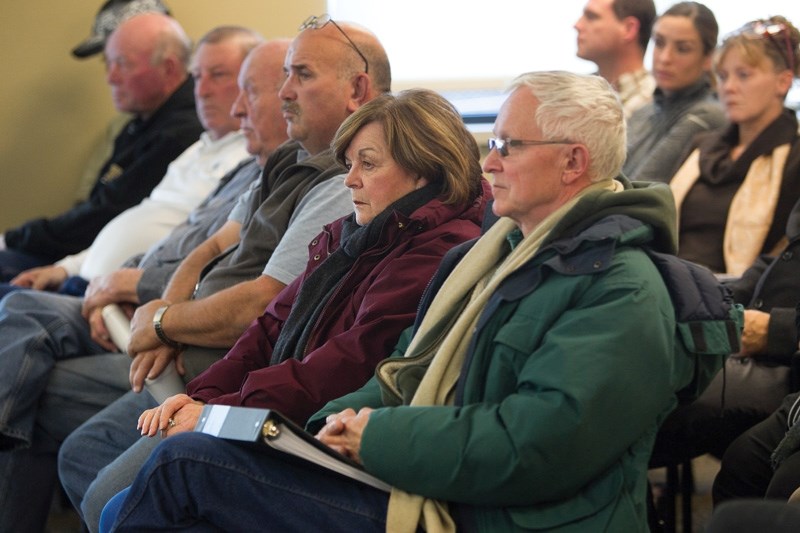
[{"x": 157, "y": 317}]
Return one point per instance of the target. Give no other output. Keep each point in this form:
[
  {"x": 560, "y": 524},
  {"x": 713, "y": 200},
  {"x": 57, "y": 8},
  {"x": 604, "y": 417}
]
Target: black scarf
[{"x": 318, "y": 287}]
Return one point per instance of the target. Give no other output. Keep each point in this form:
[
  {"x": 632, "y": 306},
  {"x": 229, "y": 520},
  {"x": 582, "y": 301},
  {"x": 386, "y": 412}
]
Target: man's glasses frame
[
  {"x": 316, "y": 22},
  {"x": 502, "y": 145}
]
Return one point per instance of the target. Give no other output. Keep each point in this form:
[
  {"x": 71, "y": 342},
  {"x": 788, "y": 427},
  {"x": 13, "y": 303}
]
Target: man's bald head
[{"x": 146, "y": 58}]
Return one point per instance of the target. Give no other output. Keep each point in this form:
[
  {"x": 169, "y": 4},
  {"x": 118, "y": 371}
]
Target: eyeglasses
[
  {"x": 760, "y": 29},
  {"x": 313, "y": 22},
  {"x": 502, "y": 145}
]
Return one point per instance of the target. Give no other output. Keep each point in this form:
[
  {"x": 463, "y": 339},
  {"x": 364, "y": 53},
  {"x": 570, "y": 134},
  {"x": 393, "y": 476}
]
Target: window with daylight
[{"x": 469, "y": 49}]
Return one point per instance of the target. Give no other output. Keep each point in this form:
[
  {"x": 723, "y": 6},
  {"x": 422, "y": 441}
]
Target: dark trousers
[
  {"x": 13, "y": 262},
  {"x": 755, "y": 515},
  {"x": 746, "y": 470},
  {"x": 746, "y": 393}
]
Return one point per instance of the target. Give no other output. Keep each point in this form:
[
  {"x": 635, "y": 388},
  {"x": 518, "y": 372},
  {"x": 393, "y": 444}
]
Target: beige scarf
[
  {"x": 752, "y": 209},
  {"x": 446, "y": 337}
]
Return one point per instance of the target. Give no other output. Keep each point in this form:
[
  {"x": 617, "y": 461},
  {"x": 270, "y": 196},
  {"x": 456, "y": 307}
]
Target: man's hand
[
  {"x": 117, "y": 287},
  {"x": 343, "y": 431},
  {"x": 754, "y": 336},
  {"x": 143, "y": 335},
  {"x": 99, "y": 332},
  {"x": 149, "y": 364},
  {"x": 181, "y": 409},
  {"x": 41, "y": 278}
]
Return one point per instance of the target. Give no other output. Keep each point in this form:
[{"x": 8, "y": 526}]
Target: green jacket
[{"x": 569, "y": 374}]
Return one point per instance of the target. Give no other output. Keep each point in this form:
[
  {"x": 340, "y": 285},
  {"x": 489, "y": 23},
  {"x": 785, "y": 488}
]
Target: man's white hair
[{"x": 582, "y": 109}]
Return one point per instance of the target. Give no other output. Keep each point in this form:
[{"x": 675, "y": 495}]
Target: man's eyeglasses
[
  {"x": 502, "y": 145},
  {"x": 315, "y": 23},
  {"x": 760, "y": 29}
]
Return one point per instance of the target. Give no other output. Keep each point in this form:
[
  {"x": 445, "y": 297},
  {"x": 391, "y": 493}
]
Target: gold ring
[{"x": 171, "y": 422}]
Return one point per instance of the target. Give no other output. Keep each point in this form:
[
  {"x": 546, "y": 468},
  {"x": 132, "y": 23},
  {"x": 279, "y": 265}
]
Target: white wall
[{"x": 453, "y": 44}]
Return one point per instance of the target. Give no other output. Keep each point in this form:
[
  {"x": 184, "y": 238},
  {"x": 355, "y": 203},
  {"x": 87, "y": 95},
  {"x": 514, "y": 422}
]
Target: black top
[
  {"x": 772, "y": 285},
  {"x": 704, "y": 211},
  {"x": 142, "y": 152}
]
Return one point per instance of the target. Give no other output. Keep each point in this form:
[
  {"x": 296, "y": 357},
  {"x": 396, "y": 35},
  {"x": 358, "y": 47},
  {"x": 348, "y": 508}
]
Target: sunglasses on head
[
  {"x": 314, "y": 23},
  {"x": 775, "y": 33}
]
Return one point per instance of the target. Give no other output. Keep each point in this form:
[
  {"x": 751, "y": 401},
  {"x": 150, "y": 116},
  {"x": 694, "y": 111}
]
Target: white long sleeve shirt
[{"x": 189, "y": 179}]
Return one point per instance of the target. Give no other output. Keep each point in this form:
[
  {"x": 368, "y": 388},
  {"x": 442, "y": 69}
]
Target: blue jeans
[
  {"x": 37, "y": 329},
  {"x": 73, "y": 286},
  {"x": 197, "y": 482},
  {"x": 13, "y": 262},
  {"x": 44, "y": 394},
  {"x": 112, "y": 509},
  {"x": 6, "y": 288},
  {"x": 103, "y": 456}
]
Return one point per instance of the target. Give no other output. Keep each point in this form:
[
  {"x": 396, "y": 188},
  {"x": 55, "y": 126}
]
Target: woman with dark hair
[{"x": 684, "y": 104}]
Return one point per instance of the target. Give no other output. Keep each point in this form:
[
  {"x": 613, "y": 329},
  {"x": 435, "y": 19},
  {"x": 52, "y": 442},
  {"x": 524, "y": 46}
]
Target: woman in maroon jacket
[{"x": 417, "y": 188}]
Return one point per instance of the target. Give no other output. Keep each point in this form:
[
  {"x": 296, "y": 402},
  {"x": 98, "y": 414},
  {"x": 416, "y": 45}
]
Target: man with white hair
[
  {"x": 190, "y": 178},
  {"x": 530, "y": 340},
  {"x": 330, "y": 70},
  {"x": 147, "y": 59},
  {"x": 38, "y": 411}
]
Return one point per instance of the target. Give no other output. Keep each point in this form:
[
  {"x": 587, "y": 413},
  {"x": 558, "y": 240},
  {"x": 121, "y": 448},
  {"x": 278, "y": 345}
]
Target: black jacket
[
  {"x": 773, "y": 285},
  {"x": 142, "y": 152}
]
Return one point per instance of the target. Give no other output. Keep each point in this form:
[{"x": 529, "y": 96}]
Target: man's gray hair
[{"x": 582, "y": 109}]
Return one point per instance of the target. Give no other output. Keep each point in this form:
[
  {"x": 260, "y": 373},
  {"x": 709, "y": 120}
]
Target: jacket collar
[
  {"x": 589, "y": 252},
  {"x": 182, "y": 98}
]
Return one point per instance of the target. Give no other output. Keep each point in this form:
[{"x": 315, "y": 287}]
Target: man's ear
[
  {"x": 362, "y": 91},
  {"x": 630, "y": 28},
  {"x": 172, "y": 68},
  {"x": 577, "y": 164}
]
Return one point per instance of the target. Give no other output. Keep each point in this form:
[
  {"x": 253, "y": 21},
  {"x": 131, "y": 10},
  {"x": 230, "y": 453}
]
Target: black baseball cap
[{"x": 111, "y": 14}]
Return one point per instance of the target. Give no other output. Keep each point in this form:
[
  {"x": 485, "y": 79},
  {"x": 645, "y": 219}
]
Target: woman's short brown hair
[{"x": 426, "y": 136}]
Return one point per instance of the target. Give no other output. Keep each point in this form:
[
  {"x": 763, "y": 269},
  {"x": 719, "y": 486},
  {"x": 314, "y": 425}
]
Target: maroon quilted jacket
[{"x": 359, "y": 325}]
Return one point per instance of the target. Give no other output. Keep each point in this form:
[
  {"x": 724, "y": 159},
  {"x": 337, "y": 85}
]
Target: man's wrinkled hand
[
  {"x": 143, "y": 335},
  {"x": 117, "y": 287},
  {"x": 41, "y": 278},
  {"x": 149, "y": 364}
]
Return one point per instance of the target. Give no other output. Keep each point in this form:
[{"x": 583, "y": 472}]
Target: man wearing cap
[
  {"x": 108, "y": 17},
  {"x": 27, "y": 469},
  {"x": 111, "y": 15},
  {"x": 189, "y": 178},
  {"x": 147, "y": 68},
  {"x": 331, "y": 70}
]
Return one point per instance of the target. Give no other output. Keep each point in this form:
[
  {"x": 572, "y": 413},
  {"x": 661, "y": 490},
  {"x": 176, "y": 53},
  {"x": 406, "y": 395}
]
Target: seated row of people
[
  {"x": 737, "y": 189},
  {"x": 299, "y": 192},
  {"x": 189, "y": 179},
  {"x": 738, "y": 195},
  {"x": 493, "y": 383},
  {"x": 148, "y": 73},
  {"x": 293, "y": 322},
  {"x": 415, "y": 184}
]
